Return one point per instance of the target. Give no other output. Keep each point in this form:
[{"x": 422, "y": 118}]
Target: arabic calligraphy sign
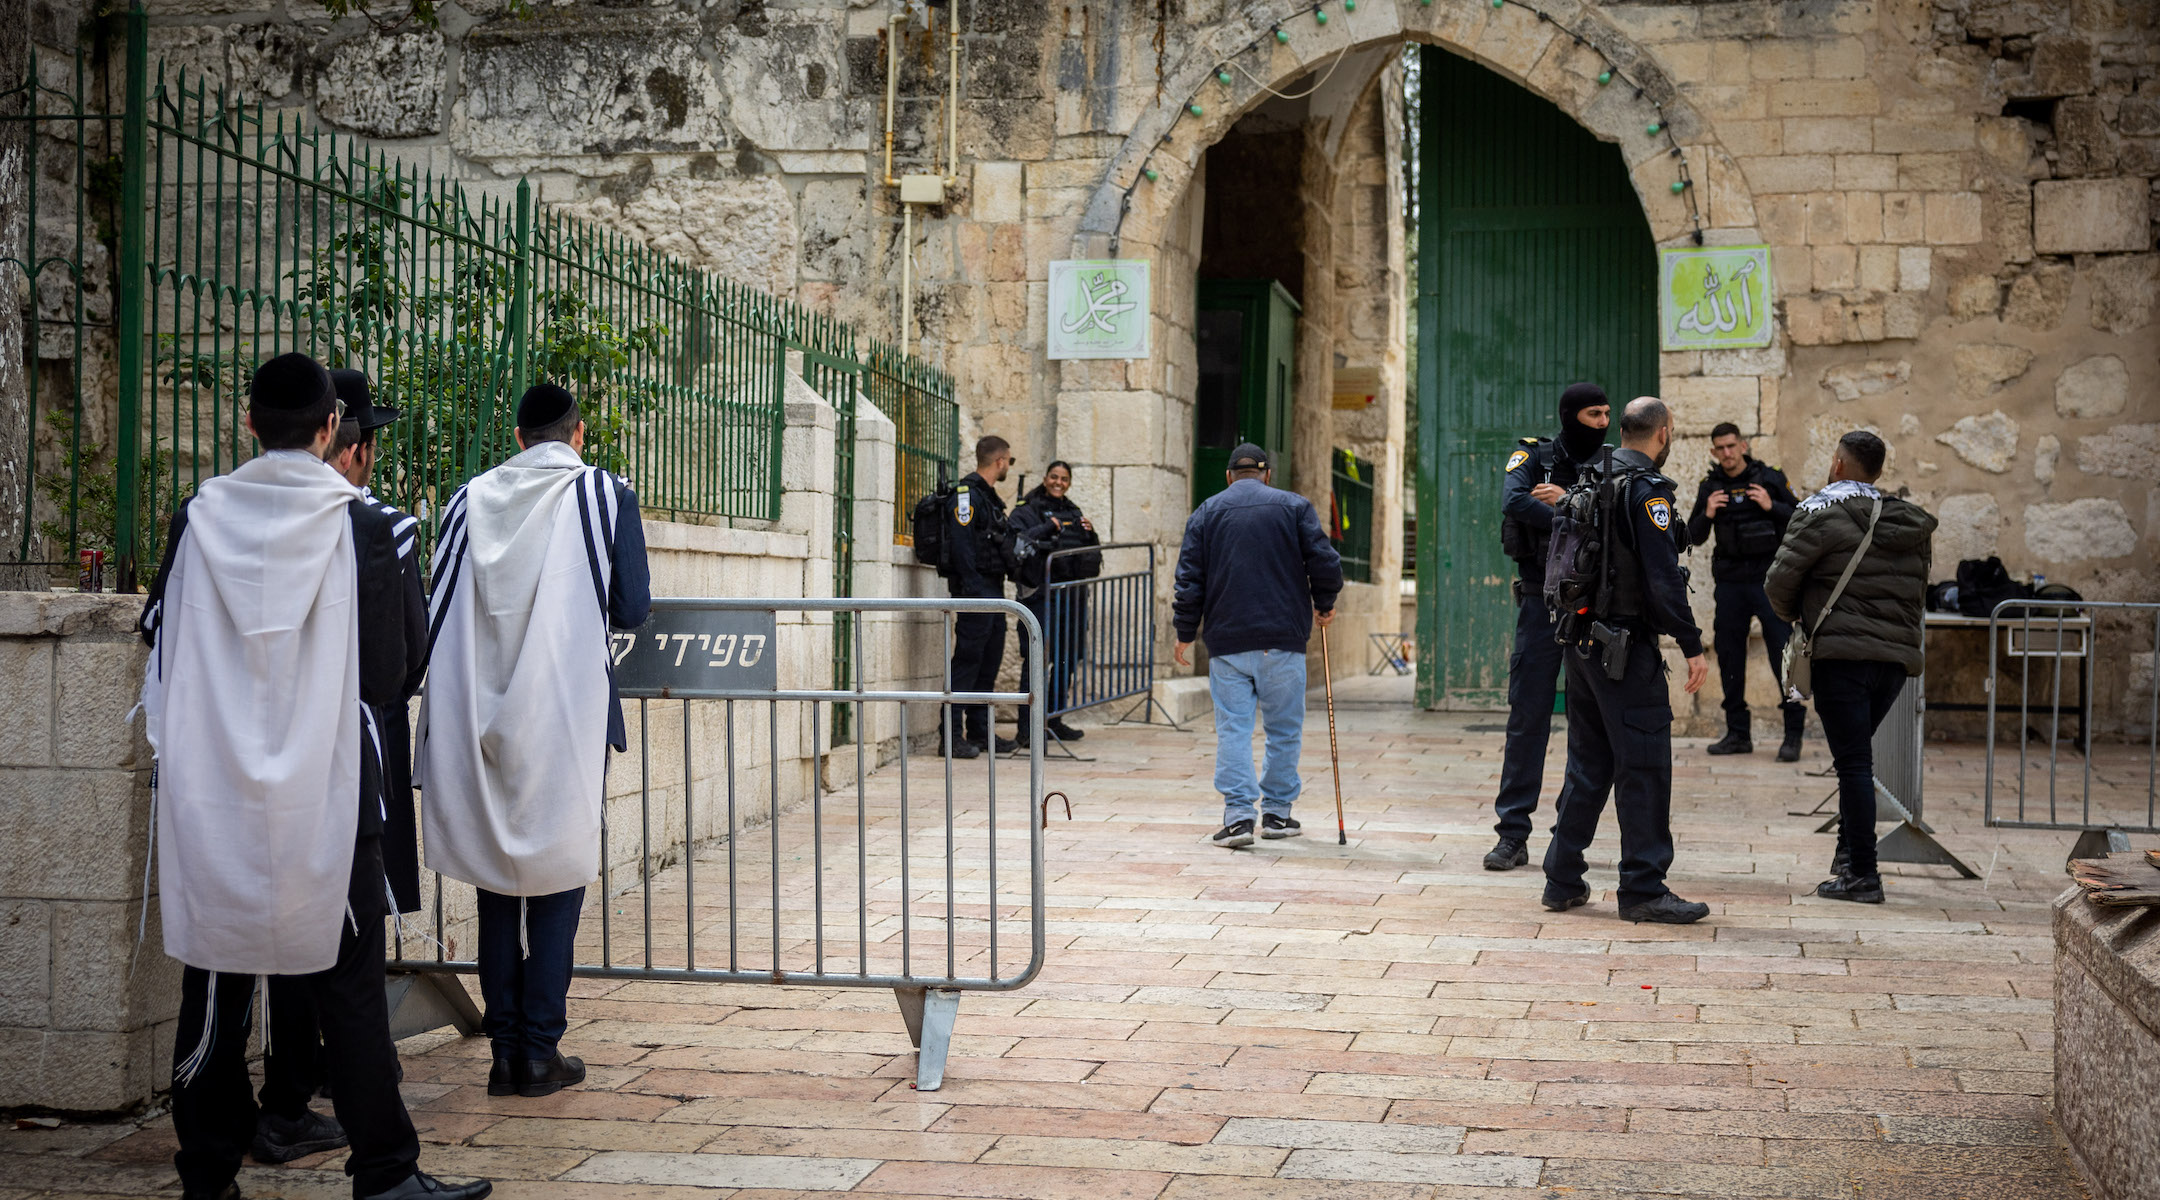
[
  {"x": 1099, "y": 308},
  {"x": 1714, "y": 297}
]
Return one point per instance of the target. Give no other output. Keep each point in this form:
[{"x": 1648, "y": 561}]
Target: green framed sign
[
  {"x": 1714, "y": 297},
  {"x": 1099, "y": 308}
]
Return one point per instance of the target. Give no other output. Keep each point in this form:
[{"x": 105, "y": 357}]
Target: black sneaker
[
  {"x": 1273, "y": 827},
  {"x": 1733, "y": 743},
  {"x": 1507, "y": 855},
  {"x": 1234, "y": 835},
  {"x": 1858, "y": 889},
  {"x": 283, "y": 1139},
  {"x": 1667, "y": 909},
  {"x": 1064, "y": 732},
  {"x": 1841, "y": 862},
  {"x": 1559, "y": 903},
  {"x": 1789, "y": 750},
  {"x": 966, "y": 749},
  {"x": 546, "y": 1076}
]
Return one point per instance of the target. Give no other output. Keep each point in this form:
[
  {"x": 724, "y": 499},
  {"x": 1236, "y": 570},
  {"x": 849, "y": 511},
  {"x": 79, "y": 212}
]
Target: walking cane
[{"x": 1327, "y": 680}]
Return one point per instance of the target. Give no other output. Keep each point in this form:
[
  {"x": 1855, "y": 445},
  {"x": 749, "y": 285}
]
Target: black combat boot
[{"x": 1735, "y": 741}]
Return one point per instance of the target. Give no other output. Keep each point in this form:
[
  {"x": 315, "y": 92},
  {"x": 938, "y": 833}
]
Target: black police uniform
[
  {"x": 975, "y": 566},
  {"x": 1747, "y": 539},
  {"x": 1620, "y": 731},
  {"x": 1534, "y": 665}
]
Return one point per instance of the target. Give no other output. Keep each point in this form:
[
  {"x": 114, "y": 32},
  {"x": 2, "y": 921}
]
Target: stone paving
[{"x": 1302, "y": 1020}]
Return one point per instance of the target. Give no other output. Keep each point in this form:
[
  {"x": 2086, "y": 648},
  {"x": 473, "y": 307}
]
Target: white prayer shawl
[
  {"x": 512, "y": 744},
  {"x": 252, "y": 704}
]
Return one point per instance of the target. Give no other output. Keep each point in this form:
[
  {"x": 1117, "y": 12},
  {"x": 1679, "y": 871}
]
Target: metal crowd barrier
[
  {"x": 867, "y": 894},
  {"x": 1099, "y": 636},
  {"x": 2050, "y": 632}
]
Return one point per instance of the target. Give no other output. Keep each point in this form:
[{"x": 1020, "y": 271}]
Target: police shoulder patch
[
  {"x": 1517, "y": 459},
  {"x": 1659, "y": 510},
  {"x": 963, "y": 507}
]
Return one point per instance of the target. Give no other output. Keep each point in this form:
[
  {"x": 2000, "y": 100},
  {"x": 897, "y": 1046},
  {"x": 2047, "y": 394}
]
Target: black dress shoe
[
  {"x": 421, "y": 1186},
  {"x": 1733, "y": 743},
  {"x": 283, "y": 1139},
  {"x": 1789, "y": 750},
  {"x": 1507, "y": 855},
  {"x": 502, "y": 1078},
  {"x": 1667, "y": 909},
  {"x": 547, "y": 1076},
  {"x": 1064, "y": 732},
  {"x": 1559, "y": 903},
  {"x": 1856, "y": 888}
]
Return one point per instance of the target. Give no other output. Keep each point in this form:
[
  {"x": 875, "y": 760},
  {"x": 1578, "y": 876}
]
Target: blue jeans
[
  {"x": 1274, "y": 682},
  {"x": 526, "y": 988}
]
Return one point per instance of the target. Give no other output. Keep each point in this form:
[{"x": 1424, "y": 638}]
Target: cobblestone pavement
[{"x": 1300, "y": 1020}]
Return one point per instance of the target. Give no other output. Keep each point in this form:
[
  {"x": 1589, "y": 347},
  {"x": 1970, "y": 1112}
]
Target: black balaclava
[{"x": 1578, "y": 440}]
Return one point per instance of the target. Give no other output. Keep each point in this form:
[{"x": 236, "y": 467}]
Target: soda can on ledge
[{"x": 92, "y": 576}]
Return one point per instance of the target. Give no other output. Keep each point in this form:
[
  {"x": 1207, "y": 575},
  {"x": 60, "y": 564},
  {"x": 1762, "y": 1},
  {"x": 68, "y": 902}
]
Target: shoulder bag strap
[{"x": 1866, "y": 539}]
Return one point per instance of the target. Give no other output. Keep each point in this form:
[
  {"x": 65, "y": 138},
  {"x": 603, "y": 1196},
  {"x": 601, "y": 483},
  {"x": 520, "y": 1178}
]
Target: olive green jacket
[{"x": 1878, "y": 617}]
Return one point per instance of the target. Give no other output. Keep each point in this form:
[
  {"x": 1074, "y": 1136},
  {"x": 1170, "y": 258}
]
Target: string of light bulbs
[{"x": 1612, "y": 72}]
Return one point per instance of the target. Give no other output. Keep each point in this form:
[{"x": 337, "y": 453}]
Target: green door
[
  {"x": 1535, "y": 270},
  {"x": 1247, "y": 330}
]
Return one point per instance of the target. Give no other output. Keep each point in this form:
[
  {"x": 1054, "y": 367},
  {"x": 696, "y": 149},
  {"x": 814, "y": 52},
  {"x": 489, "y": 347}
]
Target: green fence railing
[
  {"x": 236, "y": 233},
  {"x": 1352, "y": 517}
]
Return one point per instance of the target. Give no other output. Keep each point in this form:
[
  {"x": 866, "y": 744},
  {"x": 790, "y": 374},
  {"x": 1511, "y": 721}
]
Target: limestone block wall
[
  {"x": 78, "y": 1029},
  {"x": 2107, "y": 1043}
]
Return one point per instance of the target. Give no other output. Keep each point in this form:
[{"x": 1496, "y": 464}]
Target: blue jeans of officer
[
  {"x": 1619, "y": 744},
  {"x": 1852, "y": 697},
  {"x": 1533, "y": 679},
  {"x": 1738, "y": 604},
  {"x": 1273, "y": 682},
  {"x": 525, "y": 959}
]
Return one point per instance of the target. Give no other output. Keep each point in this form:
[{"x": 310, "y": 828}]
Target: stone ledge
[
  {"x": 68, "y": 614},
  {"x": 2107, "y": 1043}
]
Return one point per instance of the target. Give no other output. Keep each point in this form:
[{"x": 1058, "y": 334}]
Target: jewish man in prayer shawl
[
  {"x": 281, "y": 613},
  {"x": 537, "y": 558}
]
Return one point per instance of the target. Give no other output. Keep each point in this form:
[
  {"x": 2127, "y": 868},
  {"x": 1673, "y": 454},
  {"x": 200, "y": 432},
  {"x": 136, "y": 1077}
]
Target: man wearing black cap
[
  {"x": 1255, "y": 572},
  {"x": 1538, "y": 473},
  {"x": 537, "y": 560},
  {"x": 267, "y": 650}
]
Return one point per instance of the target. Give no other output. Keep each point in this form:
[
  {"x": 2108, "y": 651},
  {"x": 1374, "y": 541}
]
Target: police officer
[
  {"x": 1749, "y": 504},
  {"x": 1538, "y": 473},
  {"x": 1619, "y": 708},
  {"x": 975, "y": 565}
]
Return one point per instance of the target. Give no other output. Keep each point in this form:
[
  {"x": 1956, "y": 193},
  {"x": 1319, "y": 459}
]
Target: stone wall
[
  {"x": 1958, "y": 194},
  {"x": 86, "y": 1017},
  {"x": 2107, "y": 1044}
]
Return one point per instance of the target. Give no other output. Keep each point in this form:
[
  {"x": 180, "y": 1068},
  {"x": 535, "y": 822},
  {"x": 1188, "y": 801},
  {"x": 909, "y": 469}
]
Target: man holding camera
[{"x": 1749, "y": 504}]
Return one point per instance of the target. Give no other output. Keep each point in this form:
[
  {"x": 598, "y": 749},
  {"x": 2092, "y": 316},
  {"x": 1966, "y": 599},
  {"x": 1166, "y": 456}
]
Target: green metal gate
[{"x": 1536, "y": 269}]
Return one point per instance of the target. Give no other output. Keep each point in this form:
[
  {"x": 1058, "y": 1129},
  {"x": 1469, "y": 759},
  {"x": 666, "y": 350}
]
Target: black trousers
[
  {"x": 214, "y": 1108},
  {"x": 525, "y": 980},
  {"x": 293, "y": 1062},
  {"x": 1739, "y": 604},
  {"x": 1619, "y": 744},
  {"x": 1533, "y": 679},
  {"x": 978, "y": 651},
  {"x": 1852, "y": 697}
]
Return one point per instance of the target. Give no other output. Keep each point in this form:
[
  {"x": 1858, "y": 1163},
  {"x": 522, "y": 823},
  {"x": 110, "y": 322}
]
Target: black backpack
[
  {"x": 1579, "y": 558},
  {"x": 1983, "y": 583},
  {"x": 930, "y": 521}
]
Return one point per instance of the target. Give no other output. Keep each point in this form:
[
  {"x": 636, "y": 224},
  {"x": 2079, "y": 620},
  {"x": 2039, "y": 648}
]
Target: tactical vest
[
  {"x": 1592, "y": 572},
  {"x": 1523, "y": 542},
  {"x": 1745, "y": 530}
]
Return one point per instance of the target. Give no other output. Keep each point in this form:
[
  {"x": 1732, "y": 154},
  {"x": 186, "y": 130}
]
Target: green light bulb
[
  {"x": 1652, "y": 128},
  {"x": 1604, "y": 77},
  {"x": 1223, "y": 78},
  {"x": 1320, "y": 15},
  {"x": 1283, "y": 36},
  {"x": 1679, "y": 186},
  {"x": 1152, "y": 174},
  {"x": 1498, "y": 3},
  {"x": 1194, "y": 109},
  {"x": 1349, "y": 5}
]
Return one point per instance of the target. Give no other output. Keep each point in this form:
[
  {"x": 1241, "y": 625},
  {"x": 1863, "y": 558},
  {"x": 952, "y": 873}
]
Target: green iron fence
[
  {"x": 237, "y": 234},
  {"x": 1352, "y": 525},
  {"x": 917, "y": 399}
]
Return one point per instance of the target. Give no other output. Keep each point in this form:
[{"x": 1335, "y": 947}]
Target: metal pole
[
  {"x": 134, "y": 176},
  {"x": 521, "y": 315}
]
